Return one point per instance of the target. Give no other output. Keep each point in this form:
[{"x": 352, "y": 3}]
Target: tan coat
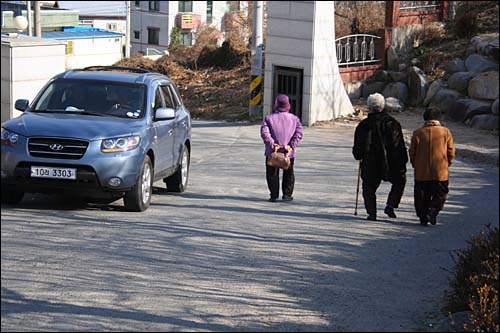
[{"x": 431, "y": 151}]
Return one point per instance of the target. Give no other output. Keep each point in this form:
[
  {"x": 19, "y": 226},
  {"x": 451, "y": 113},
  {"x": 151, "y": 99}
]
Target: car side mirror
[
  {"x": 164, "y": 114},
  {"x": 22, "y": 104}
]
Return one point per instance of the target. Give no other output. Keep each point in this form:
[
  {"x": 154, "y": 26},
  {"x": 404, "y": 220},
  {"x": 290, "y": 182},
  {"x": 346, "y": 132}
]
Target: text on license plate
[{"x": 50, "y": 172}]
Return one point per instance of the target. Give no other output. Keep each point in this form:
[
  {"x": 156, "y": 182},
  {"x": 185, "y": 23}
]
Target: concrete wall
[
  {"x": 95, "y": 51},
  {"x": 26, "y": 67}
]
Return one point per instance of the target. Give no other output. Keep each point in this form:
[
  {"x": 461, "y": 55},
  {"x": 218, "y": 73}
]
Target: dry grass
[{"x": 475, "y": 282}]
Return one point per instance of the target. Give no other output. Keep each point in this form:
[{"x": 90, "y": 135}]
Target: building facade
[
  {"x": 152, "y": 22},
  {"x": 87, "y": 46},
  {"x": 110, "y": 23}
]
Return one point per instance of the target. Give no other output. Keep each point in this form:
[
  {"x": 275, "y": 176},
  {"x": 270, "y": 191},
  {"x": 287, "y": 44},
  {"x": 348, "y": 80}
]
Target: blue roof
[{"x": 80, "y": 33}]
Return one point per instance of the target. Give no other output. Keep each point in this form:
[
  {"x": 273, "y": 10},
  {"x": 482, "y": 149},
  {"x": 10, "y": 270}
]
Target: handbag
[{"x": 279, "y": 160}]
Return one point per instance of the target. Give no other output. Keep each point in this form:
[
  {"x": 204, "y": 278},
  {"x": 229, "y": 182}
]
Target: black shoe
[
  {"x": 272, "y": 200},
  {"x": 287, "y": 198},
  {"x": 372, "y": 218},
  {"x": 389, "y": 211},
  {"x": 424, "y": 221},
  {"x": 432, "y": 218}
]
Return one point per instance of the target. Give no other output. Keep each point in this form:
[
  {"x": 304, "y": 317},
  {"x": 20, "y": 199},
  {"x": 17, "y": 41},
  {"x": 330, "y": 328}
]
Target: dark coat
[{"x": 379, "y": 144}]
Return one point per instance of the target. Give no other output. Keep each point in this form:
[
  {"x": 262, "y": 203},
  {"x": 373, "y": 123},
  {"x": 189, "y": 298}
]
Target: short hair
[
  {"x": 376, "y": 102},
  {"x": 432, "y": 113}
]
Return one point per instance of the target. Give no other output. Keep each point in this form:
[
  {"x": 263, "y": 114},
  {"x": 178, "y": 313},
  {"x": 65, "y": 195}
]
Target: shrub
[
  {"x": 175, "y": 38},
  {"x": 475, "y": 282}
]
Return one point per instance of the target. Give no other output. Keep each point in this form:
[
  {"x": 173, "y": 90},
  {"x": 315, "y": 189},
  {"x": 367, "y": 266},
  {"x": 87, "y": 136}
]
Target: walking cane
[{"x": 357, "y": 189}]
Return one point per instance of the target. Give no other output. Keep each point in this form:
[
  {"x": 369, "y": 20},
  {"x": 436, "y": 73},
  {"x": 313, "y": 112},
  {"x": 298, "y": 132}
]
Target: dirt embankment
[{"x": 217, "y": 89}]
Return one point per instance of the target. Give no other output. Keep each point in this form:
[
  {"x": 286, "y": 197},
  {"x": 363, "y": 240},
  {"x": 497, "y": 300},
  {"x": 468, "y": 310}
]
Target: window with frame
[
  {"x": 154, "y": 36},
  {"x": 169, "y": 102},
  {"x": 186, "y": 38},
  {"x": 175, "y": 97},
  {"x": 154, "y": 6},
  {"x": 137, "y": 34},
  {"x": 158, "y": 100},
  {"x": 185, "y": 6}
]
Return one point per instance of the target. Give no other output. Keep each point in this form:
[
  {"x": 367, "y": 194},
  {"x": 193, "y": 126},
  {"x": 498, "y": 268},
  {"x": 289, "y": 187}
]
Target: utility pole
[
  {"x": 30, "y": 19},
  {"x": 256, "y": 85},
  {"x": 38, "y": 25},
  {"x": 127, "y": 37}
]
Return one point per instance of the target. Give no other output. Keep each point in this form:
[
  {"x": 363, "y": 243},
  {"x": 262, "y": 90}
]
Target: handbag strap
[{"x": 278, "y": 147}]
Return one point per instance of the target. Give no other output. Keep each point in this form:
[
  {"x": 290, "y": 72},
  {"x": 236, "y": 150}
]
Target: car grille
[{"x": 68, "y": 149}]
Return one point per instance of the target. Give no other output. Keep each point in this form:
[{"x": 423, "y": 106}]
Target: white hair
[{"x": 376, "y": 102}]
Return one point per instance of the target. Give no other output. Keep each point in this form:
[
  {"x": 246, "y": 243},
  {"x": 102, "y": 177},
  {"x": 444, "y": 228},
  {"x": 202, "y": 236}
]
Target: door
[
  {"x": 288, "y": 81},
  {"x": 181, "y": 120},
  {"x": 164, "y": 138}
]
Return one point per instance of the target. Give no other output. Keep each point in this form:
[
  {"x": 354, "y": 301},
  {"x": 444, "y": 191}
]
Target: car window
[
  {"x": 175, "y": 99},
  {"x": 176, "y": 94},
  {"x": 168, "y": 98},
  {"x": 159, "y": 103},
  {"x": 92, "y": 97}
]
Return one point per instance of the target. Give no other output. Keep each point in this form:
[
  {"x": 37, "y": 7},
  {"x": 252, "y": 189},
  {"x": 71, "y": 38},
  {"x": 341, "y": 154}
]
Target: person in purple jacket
[{"x": 283, "y": 130}]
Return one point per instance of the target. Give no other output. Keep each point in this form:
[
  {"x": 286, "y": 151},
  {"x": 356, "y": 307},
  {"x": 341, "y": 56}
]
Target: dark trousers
[
  {"x": 430, "y": 196},
  {"x": 273, "y": 180},
  {"x": 370, "y": 187}
]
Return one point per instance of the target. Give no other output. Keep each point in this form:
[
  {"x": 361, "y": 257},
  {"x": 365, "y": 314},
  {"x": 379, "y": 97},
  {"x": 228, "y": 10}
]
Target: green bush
[{"x": 475, "y": 282}]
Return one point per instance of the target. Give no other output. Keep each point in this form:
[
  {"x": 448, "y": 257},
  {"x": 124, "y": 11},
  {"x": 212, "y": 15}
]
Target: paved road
[{"x": 221, "y": 258}]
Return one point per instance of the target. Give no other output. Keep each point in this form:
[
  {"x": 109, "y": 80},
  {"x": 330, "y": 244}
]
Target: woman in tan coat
[{"x": 431, "y": 153}]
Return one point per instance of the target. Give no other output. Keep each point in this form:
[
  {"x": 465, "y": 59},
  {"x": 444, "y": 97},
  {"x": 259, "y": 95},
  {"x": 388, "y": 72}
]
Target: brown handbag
[{"x": 279, "y": 160}]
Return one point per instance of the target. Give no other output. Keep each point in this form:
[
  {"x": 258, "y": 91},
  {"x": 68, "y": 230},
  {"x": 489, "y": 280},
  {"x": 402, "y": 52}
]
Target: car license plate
[{"x": 50, "y": 172}]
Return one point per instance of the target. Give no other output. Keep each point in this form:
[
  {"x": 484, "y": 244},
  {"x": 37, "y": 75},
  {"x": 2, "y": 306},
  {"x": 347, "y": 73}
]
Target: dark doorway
[{"x": 288, "y": 81}]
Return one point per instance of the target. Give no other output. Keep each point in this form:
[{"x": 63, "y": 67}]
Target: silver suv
[{"x": 101, "y": 133}]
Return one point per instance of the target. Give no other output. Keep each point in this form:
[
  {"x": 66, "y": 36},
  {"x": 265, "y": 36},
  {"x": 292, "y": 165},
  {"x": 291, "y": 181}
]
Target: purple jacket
[{"x": 282, "y": 128}]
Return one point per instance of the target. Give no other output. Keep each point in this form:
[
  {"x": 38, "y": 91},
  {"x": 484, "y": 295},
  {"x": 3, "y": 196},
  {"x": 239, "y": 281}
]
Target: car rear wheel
[
  {"x": 10, "y": 195},
  {"x": 178, "y": 181},
  {"x": 139, "y": 198}
]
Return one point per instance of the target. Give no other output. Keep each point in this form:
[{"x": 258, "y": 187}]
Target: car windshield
[{"x": 92, "y": 98}]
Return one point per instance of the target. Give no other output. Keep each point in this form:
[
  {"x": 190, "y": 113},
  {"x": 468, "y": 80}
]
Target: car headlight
[
  {"x": 9, "y": 138},
  {"x": 120, "y": 144}
]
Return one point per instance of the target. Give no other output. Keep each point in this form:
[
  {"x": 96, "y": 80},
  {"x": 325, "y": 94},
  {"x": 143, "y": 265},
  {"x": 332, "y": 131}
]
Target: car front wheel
[
  {"x": 139, "y": 198},
  {"x": 178, "y": 181}
]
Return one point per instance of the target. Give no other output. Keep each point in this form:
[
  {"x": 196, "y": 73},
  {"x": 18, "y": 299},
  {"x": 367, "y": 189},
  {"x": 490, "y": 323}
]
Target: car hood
[{"x": 73, "y": 126}]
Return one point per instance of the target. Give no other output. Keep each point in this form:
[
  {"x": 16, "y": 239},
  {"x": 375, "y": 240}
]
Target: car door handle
[{"x": 170, "y": 131}]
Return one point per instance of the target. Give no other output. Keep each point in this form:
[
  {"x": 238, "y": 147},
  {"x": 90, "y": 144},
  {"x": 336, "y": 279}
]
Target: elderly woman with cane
[
  {"x": 381, "y": 150},
  {"x": 281, "y": 131}
]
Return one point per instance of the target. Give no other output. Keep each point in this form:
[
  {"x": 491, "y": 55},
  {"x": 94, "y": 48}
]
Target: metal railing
[
  {"x": 419, "y": 5},
  {"x": 356, "y": 50}
]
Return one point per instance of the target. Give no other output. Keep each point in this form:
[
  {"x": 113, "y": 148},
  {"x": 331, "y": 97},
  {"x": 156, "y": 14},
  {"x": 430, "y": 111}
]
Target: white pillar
[
  {"x": 30, "y": 19},
  {"x": 127, "y": 33},
  {"x": 301, "y": 35}
]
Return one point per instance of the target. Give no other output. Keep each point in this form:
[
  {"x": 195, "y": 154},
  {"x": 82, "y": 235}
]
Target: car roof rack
[{"x": 116, "y": 68}]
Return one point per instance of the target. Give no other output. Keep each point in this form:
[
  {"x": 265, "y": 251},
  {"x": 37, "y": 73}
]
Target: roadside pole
[
  {"x": 30, "y": 19},
  {"x": 256, "y": 85},
  {"x": 127, "y": 37},
  {"x": 38, "y": 25}
]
